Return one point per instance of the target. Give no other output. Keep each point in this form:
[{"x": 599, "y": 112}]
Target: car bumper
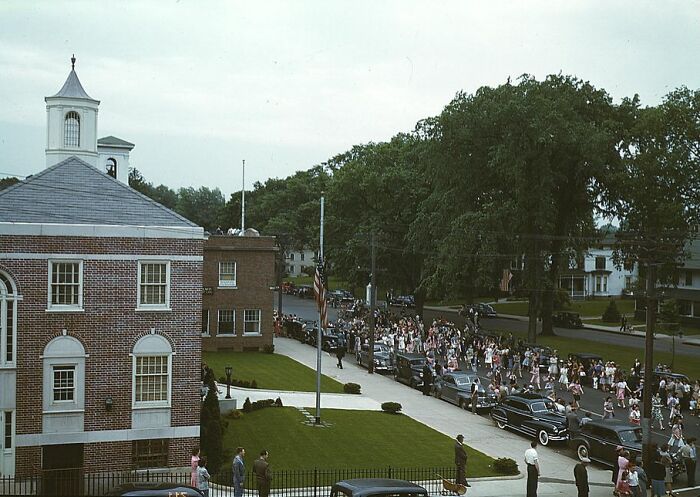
[{"x": 559, "y": 437}]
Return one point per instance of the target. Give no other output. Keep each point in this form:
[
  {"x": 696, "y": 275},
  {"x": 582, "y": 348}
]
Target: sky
[{"x": 201, "y": 85}]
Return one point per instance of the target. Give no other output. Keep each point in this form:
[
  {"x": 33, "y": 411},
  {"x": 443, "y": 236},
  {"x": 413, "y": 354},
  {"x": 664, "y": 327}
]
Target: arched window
[
  {"x": 64, "y": 375},
  {"x": 152, "y": 371},
  {"x": 71, "y": 130},
  {"x": 112, "y": 167},
  {"x": 8, "y": 321}
]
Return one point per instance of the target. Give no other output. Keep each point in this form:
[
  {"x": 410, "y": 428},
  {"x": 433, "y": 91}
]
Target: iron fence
[{"x": 314, "y": 482}]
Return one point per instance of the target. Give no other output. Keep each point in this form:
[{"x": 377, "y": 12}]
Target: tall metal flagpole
[
  {"x": 319, "y": 337},
  {"x": 243, "y": 201}
]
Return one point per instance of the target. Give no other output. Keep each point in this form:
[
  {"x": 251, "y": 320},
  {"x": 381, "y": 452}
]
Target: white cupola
[{"x": 71, "y": 118}]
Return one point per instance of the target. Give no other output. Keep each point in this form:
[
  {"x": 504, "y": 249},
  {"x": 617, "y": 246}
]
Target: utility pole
[
  {"x": 648, "y": 362},
  {"x": 372, "y": 305}
]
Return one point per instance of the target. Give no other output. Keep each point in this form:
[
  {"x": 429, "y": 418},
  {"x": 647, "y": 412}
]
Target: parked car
[
  {"x": 658, "y": 374},
  {"x": 567, "y": 319},
  {"x": 532, "y": 415},
  {"x": 408, "y": 369},
  {"x": 340, "y": 296},
  {"x": 403, "y": 301},
  {"x": 456, "y": 387},
  {"x": 156, "y": 489},
  {"x": 382, "y": 358},
  {"x": 598, "y": 439},
  {"x": 368, "y": 487},
  {"x": 331, "y": 340},
  {"x": 485, "y": 310},
  {"x": 588, "y": 360},
  {"x": 544, "y": 353}
]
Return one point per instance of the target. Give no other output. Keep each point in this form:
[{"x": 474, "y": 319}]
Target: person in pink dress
[
  {"x": 622, "y": 464},
  {"x": 194, "y": 465}
]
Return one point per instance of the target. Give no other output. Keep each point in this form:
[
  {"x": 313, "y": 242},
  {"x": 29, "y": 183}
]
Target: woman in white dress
[{"x": 563, "y": 376}]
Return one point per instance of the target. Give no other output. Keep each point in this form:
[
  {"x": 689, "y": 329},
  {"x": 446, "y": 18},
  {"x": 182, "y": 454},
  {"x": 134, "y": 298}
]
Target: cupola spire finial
[{"x": 72, "y": 61}]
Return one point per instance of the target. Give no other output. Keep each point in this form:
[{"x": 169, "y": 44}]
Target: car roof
[
  {"x": 531, "y": 397},
  {"x": 372, "y": 486},
  {"x": 613, "y": 424}
]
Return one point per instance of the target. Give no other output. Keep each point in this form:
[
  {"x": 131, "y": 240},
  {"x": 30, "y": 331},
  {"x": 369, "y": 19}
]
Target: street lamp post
[{"x": 229, "y": 370}]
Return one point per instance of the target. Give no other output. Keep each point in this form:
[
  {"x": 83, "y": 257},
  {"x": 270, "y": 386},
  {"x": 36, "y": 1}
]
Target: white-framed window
[
  {"x": 600, "y": 262},
  {"x": 154, "y": 285},
  {"x": 64, "y": 383},
  {"x": 302, "y": 256},
  {"x": 7, "y": 430},
  {"x": 205, "y": 322},
  {"x": 151, "y": 379},
  {"x": 71, "y": 129},
  {"x": 226, "y": 322},
  {"x": 64, "y": 375},
  {"x": 227, "y": 274},
  {"x": 629, "y": 283},
  {"x": 65, "y": 285},
  {"x": 291, "y": 256},
  {"x": 8, "y": 321},
  {"x": 152, "y": 372},
  {"x": 601, "y": 284},
  {"x": 251, "y": 322}
]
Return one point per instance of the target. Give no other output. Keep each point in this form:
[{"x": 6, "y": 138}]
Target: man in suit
[
  {"x": 238, "y": 472},
  {"x": 461, "y": 462},
  {"x": 581, "y": 477},
  {"x": 427, "y": 379},
  {"x": 261, "y": 469}
]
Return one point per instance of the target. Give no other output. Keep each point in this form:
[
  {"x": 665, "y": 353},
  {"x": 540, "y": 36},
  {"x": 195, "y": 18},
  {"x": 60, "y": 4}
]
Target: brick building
[
  {"x": 239, "y": 272},
  {"x": 100, "y": 299}
]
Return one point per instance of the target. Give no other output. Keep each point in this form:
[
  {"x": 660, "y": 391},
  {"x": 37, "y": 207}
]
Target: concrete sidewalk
[
  {"x": 300, "y": 399},
  {"x": 480, "y": 433}
]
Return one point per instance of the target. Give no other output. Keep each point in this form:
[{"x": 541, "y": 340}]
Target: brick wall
[
  {"x": 255, "y": 267},
  {"x": 108, "y": 327}
]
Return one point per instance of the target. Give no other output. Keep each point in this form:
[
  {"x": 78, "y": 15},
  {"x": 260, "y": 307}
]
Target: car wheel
[
  {"x": 582, "y": 451},
  {"x": 501, "y": 425},
  {"x": 543, "y": 437},
  {"x": 436, "y": 393}
]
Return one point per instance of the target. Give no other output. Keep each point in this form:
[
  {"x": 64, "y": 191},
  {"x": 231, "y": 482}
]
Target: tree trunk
[
  {"x": 532, "y": 313},
  {"x": 547, "y": 307}
]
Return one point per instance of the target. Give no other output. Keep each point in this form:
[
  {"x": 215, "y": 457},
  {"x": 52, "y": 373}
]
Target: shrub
[
  {"x": 235, "y": 414},
  {"x": 505, "y": 466},
  {"x": 352, "y": 388},
  {"x": 247, "y": 406},
  {"x": 391, "y": 407},
  {"x": 269, "y": 349},
  {"x": 261, "y": 404},
  {"x": 253, "y": 384},
  {"x": 211, "y": 431},
  {"x": 278, "y": 402},
  {"x": 611, "y": 314},
  {"x": 222, "y": 380}
]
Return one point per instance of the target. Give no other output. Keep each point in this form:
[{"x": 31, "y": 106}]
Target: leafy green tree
[
  {"x": 9, "y": 181},
  {"x": 201, "y": 206}
]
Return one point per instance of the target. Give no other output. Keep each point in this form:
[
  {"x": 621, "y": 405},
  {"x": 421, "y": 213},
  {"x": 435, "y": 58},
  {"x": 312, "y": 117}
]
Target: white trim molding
[
  {"x": 37, "y": 439},
  {"x": 100, "y": 257}
]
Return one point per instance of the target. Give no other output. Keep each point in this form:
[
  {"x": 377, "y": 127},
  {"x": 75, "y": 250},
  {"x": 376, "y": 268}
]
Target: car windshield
[
  {"x": 463, "y": 380},
  {"x": 631, "y": 436},
  {"x": 381, "y": 348},
  {"x": 544, "y": 406}
]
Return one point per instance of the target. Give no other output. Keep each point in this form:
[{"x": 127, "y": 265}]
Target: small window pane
[
  {"x": 226, "y": 322},
  {"x": 251, "y": 321},
  {"x": 63, "y": 383},
  {"x": 151, "y": 379},
  {"x": 65, "y": 283},
  {"x": 153, "y": 284},
  {"x": 71, "y": 130},
  {"x": 227, "y": 274},
  {"x": 7, "y": 443}
]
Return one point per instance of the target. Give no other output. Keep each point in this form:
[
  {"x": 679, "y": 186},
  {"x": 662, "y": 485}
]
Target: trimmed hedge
[
  {"x": 249, "y": 406},
  {"x": 239, "y": 383},
  {"x": 352, "y": 388},
  {"x": 391, "y": 407},
  {"x": 506, "y": 466}
]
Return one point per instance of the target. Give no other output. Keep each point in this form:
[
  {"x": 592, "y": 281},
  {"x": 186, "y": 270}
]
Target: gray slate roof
[
  {"x": 74, "y": 192},
  {"x": 72, "y": 88},
  {"x": 114, "y": 141}
]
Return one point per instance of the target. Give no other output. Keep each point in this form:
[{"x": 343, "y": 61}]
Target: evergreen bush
[
  {"x": 211, "y": 430},
  {"x": 505, "y": 466},
  {"x": 611, "y": 314},
  {"x": 247, "y": 406},
  {"x": 351, "y": 388},
  {"x": 391, "y": 407}
]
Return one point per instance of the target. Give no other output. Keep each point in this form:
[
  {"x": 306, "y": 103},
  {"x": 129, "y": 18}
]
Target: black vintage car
[
  {"x": 408, "y": 369},
  {"x": 567, "y": 319},
  {"x": 485, "y": 310},
  {"x": 456, "y": 387},
  {"x": 369, "y": 487},
  {"x": 598, "y": 439},
  {"x": 382, "y": 358},
  {"x": 403, "y": 301},
  {"x": 532, "y": 415},
  {"x": 331, "y": 339},
  {"x": 156, "y": 489}
]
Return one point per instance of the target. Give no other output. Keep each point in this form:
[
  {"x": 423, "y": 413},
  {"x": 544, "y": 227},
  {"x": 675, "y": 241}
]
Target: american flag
[{"x": 320, "y": 293}]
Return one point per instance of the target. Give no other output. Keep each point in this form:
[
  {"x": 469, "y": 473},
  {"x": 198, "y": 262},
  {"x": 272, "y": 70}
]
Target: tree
[
  {"x": 211, "y": 431},
  {"x": 9, "y": 181}
]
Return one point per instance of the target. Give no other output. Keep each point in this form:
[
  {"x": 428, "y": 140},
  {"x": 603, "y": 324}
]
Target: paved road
[{"x": 592, "y": 400}]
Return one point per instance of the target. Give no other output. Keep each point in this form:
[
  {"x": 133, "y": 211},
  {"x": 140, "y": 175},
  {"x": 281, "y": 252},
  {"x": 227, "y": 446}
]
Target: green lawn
[
  {"x": 624, "y": 356},
  {"x": 270, "y": 371},
  {"x": 354, "y": 440},
  {"x": 585, "y": 308}
]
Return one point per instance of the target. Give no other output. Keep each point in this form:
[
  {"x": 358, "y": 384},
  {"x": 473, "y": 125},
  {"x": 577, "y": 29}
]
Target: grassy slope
[
  {"x": 355, "y": 440},
  {"x": 270, "y": 371},
  {"x": 586, "y": 308}
]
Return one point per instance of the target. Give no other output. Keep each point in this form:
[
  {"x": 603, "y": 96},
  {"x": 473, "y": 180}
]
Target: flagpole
[{"x": 319, "y": 338}]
